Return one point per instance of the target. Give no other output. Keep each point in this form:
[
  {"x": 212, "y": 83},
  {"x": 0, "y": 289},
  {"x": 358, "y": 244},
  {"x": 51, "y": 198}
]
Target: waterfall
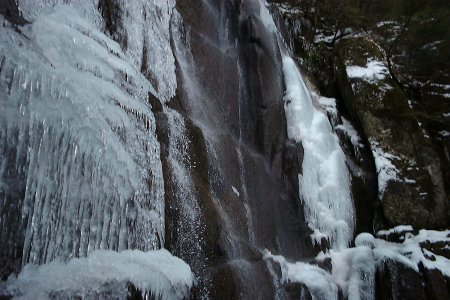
[
  {"x": 175, "y": 149},
  {"x": 324, "y": 189}
]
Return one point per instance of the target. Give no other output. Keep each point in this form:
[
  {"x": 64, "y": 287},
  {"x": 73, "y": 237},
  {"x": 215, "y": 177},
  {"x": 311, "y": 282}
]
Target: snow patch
[
  {"x": 235, "y": 190},
  {"x": 156, "y": 273},
  {"x": 444, "y": 133},
  {"x": 397, "y": 229},
  {"x": 373, "y": 72}
]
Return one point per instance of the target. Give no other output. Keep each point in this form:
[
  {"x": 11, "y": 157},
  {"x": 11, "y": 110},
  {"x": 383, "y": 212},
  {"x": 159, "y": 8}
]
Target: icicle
[{"x": 79, "y": 173}]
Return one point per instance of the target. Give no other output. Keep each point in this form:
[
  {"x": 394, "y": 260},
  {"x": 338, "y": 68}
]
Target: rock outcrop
[{"x": 410, "y": 180}]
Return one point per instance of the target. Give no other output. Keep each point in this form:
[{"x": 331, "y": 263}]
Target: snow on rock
[
  {"x": 365, "y": 239},
  {"x": 386, "y": 170},
  {"x": 353, "y": 269},
  {"x": 397, "y": 229},
  {"x": 104, "y": 272},
  {"x": 444, "y": 133},
  {"x": 318, "y": 281},
  {"x": 235, "y": 191},
  {"x": 411, "y": 252},
  {"x": 347, "y": 128},
  {"x": 373, "y": 71},
  {"x": 320, "y": 37},
  {"x": 325, "y": 182}
]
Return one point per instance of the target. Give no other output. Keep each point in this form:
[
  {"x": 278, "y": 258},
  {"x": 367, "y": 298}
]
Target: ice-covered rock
[
  {"x": 408, "y": 166},
  {"x": 104, "y": 274},
  {"x": 80, "y": 163}
]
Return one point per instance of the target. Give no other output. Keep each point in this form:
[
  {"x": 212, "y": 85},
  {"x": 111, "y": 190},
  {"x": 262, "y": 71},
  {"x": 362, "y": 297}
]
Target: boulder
[
  {"x": 410, "y": 181},
  {"x": 397, "y": 281}
]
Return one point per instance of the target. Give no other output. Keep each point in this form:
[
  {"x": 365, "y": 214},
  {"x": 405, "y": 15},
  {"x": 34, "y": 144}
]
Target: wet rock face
[
  {"x": 397, "y": 281},
  {"x": 411, "y": 185},
  {"x": 223, "y": 160},
  {"x": 249, "y": 199}
]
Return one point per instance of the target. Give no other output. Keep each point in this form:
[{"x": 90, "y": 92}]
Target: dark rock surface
[
  {"x": 242, "y": 131},
  {"x": 398, "y": 113},
  {"x": 396, "y": 281},
  {"x": 10, "y": 11},
  {"x": 382, "y": 108}
]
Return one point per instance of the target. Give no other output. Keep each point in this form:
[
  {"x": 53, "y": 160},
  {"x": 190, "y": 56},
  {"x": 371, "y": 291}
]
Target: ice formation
[
  {"x": 104, "y": 274},
  {"x": 319, "y": 282},
  {"x": 351, "y": 132},
  {"x": 325, "y": 182},
  {"x": 78, "y": 142},
  {"x": 353, "y": 269},
  {"x": 386, "y": 170},
  {"x": 143, "y": 26}
]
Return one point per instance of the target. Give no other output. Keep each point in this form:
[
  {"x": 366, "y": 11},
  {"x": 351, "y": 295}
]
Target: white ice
[
  {"x": 324, "y": 182},
  {"x": 318, "y": 281},
  {"x": 145, "y": 25},
  {"x": 74, "y": 112}
]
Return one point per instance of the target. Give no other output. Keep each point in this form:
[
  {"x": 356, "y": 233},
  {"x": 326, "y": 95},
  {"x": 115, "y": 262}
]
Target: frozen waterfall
[
  {"x": 325, "y": 182},
  {"x": 79, "y": 150}
]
